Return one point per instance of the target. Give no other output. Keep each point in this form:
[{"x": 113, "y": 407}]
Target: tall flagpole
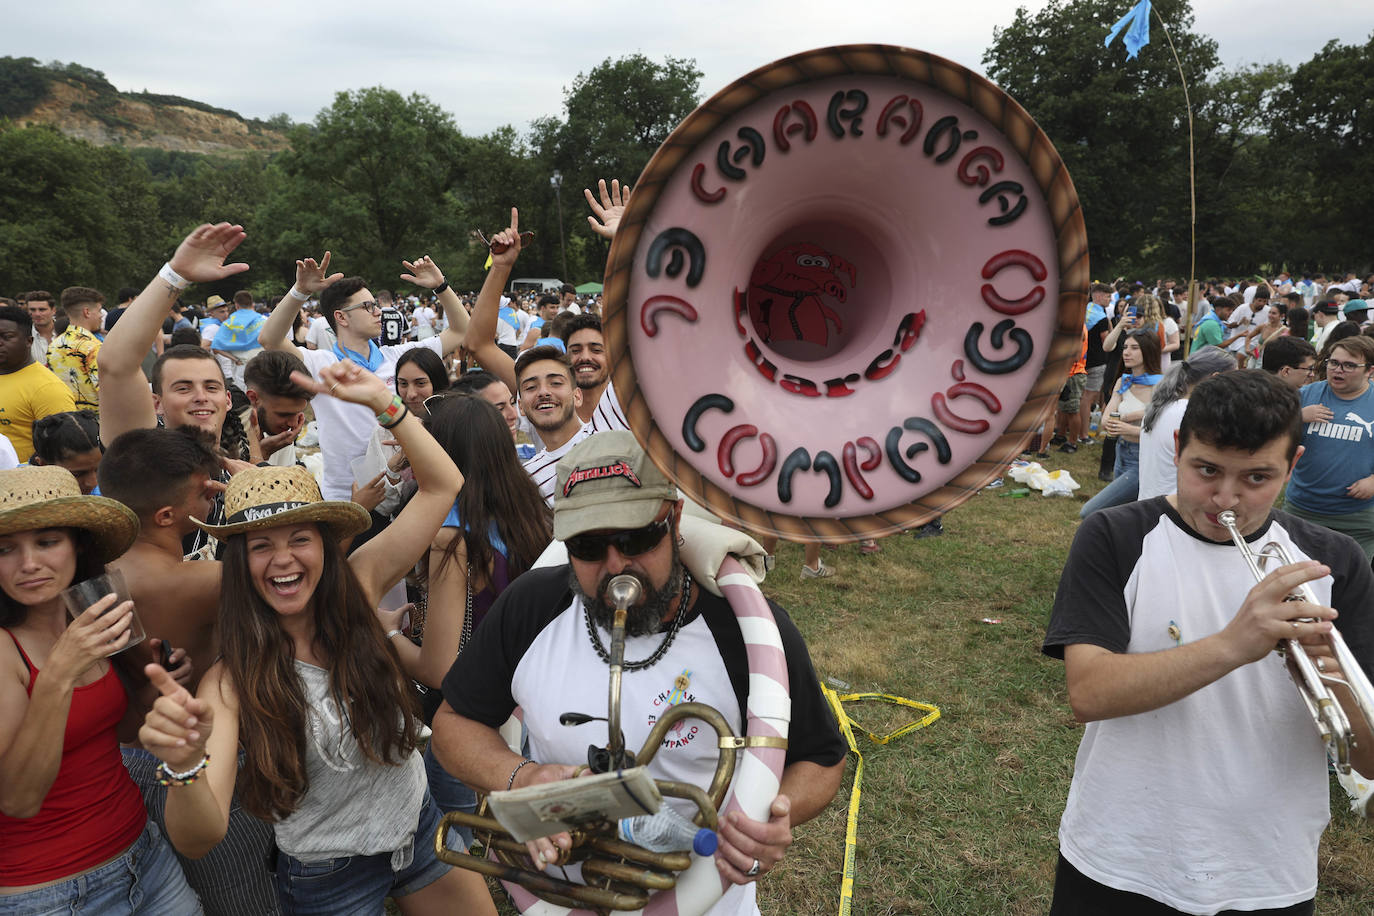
[{"x": 1192, "y": 194}]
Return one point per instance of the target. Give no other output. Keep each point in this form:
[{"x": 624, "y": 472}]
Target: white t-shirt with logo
[{"x": 345, "y": 428}]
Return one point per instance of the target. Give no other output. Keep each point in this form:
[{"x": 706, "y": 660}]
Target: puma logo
[{"x": 1367, "y": 424}]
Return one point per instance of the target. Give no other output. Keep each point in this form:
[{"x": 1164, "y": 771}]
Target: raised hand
[
  {"x": 348, "y": 381},
  {"x": 423, "y": 272},
  {"x": 97, "y": 632},
  {"x": 610, "y": 209},
  {"x": 310, "y": 274},
  {"x": 506, "y": 244},
  {"x": 177, "y": 727},
  {"x": 200, "y": 256}
]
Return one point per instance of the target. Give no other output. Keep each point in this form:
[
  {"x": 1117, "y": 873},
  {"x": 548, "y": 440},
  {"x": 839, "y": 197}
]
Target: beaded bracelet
[
  {"x": 510, "y": 783},
  {"x": 394, "y": 413},
  {"x": 169, "y": 777}
]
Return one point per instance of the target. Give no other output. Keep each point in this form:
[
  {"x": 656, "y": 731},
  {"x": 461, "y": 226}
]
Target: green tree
[
  {"x": 22, "y": 86},
  {"x": 1119, "y": 124},
  {"x": 73, "y": 214},
  {"x": 371, "y": 180},
  {"x": 1324, "y": 122},
  {"x": 614, "y": 118}
]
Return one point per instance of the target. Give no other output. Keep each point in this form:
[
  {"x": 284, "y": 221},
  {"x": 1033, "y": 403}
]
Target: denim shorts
[
  {"x": 357, "y": 885},
  {"x": 145, "y": 880}
]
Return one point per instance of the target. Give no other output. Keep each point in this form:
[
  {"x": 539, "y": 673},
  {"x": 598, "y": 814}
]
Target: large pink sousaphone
[{"x": 846, "y": 290}]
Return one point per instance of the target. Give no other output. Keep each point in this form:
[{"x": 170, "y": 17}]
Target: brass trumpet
[
  {"x": 1313, "y": 684},
  {"x": 620, "y": 876}
]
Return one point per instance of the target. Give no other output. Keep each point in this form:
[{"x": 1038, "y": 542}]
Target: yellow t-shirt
[{"x": 26, "y": 396}]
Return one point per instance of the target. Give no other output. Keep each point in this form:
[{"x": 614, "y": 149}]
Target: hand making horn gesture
[{"x": 177, "y": 727}]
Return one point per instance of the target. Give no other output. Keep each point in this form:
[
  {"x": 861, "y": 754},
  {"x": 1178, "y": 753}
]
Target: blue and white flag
[{"x": 1138, "y": 34}]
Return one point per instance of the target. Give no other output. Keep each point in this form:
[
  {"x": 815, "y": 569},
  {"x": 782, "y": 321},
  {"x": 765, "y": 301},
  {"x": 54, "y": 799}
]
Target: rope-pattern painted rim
[{"x": 1023, "y": 135}]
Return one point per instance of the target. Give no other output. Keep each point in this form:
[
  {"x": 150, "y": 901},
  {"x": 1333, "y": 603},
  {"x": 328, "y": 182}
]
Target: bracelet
[
  {"x": 172, "y": 277},
  {"x": 297, "y": 294},
  {"x": 394, "y": 413},
  {"x": 511, "y": 782},
  {"x": 391, "y": 633},
  {"x": 166, "y": 776},
  {"x": 442, "y": 287}
]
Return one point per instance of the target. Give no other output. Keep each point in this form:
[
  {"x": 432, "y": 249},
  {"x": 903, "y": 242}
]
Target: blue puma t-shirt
[{"x": 1336, "y": 453}]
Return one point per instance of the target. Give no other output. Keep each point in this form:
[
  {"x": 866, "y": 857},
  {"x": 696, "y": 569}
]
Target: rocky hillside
[{"x": 81, "y": 103}]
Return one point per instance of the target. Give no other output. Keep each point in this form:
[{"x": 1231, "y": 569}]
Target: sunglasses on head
[{"x": 592, "y": 547}]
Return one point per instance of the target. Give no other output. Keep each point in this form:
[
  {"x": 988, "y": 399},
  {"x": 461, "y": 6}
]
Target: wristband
[
  {"x": 166, "y": 776},
  {"x": 172, "y": 277},
  {"x": 391, "y": 633},
  {"x": 440, "y": 288},
  {"x": 297, "y": 294},
  {"x": 394, "y": 413},
  {"x": 510, "y": 783}
]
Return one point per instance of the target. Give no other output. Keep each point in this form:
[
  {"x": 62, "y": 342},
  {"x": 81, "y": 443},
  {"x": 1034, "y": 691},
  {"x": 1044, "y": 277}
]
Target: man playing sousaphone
[
  {"x": 1200, "y": 784},
  {"x": 542, "y": 647}
]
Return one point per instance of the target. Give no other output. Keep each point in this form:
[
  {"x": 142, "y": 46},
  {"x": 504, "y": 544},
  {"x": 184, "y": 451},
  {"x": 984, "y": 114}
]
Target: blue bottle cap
[{"x": 704, "y": 843}]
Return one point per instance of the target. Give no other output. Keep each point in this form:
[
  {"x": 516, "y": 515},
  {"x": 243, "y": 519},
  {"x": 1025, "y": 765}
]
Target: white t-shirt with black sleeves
[
  {"x": 1218, "y": 800},
  {"x": 532, "y": 650}
]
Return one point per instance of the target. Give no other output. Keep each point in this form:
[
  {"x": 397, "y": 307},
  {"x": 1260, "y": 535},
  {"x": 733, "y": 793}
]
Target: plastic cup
[{"x": 84, "y": 594}]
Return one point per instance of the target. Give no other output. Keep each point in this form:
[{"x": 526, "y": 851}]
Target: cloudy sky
[{"x": 502, "y": 62}]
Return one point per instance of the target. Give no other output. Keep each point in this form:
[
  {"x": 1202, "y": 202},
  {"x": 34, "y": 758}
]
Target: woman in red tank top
[{"x": 74, "y": 834}]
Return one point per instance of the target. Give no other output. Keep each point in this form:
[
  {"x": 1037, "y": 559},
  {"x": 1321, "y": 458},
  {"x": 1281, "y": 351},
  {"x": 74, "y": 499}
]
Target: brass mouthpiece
[{"x": 623, "y": 590}]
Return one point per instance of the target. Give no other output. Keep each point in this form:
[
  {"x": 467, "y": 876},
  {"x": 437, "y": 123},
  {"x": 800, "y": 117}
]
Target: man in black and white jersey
[
  {"x": 1200, "y": 784},
  {"x": 598, "y": 405},
  {"x": 587, "y": 352},
  {"x": 549, "y": 400},
  {"x": 543, "y": 647}
]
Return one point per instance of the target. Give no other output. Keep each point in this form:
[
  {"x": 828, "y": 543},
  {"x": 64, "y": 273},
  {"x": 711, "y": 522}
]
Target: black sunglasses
[{"x": 592, "y": 548}]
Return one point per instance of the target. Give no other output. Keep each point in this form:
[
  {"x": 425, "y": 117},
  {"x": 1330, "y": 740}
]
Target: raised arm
[
  {"x": 310, "y": 279},
  {"x": 481, "y": 336},
  {"x": 125, "y": 401},
  {"x": 382, "y": 561},
  {"x": 1109, "y": 342},
  {"x": 424, "y": 272}
]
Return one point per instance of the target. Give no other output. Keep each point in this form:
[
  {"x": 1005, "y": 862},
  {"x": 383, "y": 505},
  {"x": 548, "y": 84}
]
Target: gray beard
[{"x": 643, "y": 619}]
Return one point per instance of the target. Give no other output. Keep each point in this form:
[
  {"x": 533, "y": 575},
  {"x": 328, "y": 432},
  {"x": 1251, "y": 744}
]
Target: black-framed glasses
[
  {"x": 592, "y": 548},
  {"x": 1345, "y": 366},
  {"x": 1305, "y": 370},
  {"x": 373, "y": 307}
]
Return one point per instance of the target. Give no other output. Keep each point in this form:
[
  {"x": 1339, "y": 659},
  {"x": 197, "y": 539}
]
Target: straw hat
[
  {"x": 259, "y": 498},
  {"x": 33, "y": 498}
]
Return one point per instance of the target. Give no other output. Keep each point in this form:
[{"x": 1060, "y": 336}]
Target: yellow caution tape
[{"x": 847, "y": 726}]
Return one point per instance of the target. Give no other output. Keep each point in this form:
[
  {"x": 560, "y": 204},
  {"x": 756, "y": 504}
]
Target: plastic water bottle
[
  {"x": 1095, "y": 418},
  {"x": 667, "y": 831}
]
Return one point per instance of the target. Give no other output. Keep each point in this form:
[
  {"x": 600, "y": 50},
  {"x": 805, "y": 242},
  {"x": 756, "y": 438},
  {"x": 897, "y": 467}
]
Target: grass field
[{"x": 961, "y": 817}]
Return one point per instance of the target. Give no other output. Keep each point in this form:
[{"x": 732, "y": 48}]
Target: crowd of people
[
  {"x": 313, "y": 614},
  {"x": 339, "y": 634}
]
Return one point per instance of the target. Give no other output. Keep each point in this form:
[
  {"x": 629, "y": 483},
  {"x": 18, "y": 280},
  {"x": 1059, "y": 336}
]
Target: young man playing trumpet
[{"x": 1201, "y": 785}]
